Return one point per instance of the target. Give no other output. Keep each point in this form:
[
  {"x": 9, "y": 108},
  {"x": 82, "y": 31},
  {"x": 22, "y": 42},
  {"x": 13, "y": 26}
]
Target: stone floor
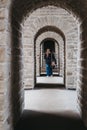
[
  {"x": 50, "y": 109},
  {"x": 51, "y": 80},
  {"x": 51, "y": 100}
]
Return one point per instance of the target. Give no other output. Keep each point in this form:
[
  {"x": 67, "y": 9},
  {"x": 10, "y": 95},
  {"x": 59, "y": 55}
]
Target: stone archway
[
  {"x": 58, "y": 38},
  {"x": 54, "y": 47},
  {"x": 49, "y": 25},
  {"x": 20, "y": 10}
]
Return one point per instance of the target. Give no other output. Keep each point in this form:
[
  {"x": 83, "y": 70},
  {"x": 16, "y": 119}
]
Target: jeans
[{"x": 48, "y": 70}]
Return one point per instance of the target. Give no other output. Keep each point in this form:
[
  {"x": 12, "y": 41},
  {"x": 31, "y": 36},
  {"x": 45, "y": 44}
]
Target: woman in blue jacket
[{"x": 48, "y": 58}]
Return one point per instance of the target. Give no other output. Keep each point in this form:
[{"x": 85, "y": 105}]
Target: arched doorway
[
  {"x": 57, "y": 36},
  {"x": 59, "y": 71},
  {"x": 54, "y": 47}
]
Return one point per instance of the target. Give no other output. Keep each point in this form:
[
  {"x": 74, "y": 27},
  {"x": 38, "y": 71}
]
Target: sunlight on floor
[
  {"x": 52, "y": 80},
  {"x": 51, "y": 100}
]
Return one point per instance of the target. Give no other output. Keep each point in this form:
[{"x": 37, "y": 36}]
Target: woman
[{"x": 47, "y": 58}]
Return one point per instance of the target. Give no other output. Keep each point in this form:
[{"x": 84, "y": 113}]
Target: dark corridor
[{"x": 49, "y": 44}]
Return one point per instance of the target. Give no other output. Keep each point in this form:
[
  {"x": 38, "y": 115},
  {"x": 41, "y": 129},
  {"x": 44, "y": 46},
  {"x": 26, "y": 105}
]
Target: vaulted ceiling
[{"x": 22, "y": 8}]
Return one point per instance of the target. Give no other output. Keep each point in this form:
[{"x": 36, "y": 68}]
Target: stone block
[
  {"x": 2, "y": 71},
  {"x": 2, "y": 13},
  {"x": 1, "y": 116},
  {"x": 1, "y": 104},
  {"x": 2, "y": 25},
  {"x": 2, "y": 54},
  {"x": 2, "y": 38},
  {"x": 1, "y": 125},
  {"x": 2, "y": 86}
]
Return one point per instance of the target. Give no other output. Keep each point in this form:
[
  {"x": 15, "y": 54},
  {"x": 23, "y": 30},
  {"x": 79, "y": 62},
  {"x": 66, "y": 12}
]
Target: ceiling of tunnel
[
  {"x": 21, "y": 8},
  {"x": 50, "y": 28},
  {"x": 49, "y": 18},
  {"x": 50, "y": 35}
]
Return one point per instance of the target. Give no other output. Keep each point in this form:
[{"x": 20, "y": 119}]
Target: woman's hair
[{"x": 48, "y": 51}]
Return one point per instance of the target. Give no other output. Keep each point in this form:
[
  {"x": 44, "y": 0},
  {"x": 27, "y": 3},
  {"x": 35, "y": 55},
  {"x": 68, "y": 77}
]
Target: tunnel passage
[
  {"x": 59, "y": 51},
  {"x": 54, "y": 23},
  {"x": 54, "y": 47},
  {"x": 20, "y": 11}
]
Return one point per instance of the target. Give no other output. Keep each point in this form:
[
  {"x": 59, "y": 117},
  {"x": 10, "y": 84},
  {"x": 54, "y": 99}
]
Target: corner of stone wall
[{"x": 82, "y": 69}]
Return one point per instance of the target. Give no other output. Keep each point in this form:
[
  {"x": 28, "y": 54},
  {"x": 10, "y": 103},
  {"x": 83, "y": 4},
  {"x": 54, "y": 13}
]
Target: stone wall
[
  {"x": 13, "y": 70},
  {"x": 17, "y": 88},
  {"x": 3, "y": 77},
  {"x": 57, "y": 17},
  {"x": 10, "y": 102},
  {"x": 82, "y": 70}
]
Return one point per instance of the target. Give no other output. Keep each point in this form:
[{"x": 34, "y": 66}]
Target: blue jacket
[{"x": 50, "y": 58}]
